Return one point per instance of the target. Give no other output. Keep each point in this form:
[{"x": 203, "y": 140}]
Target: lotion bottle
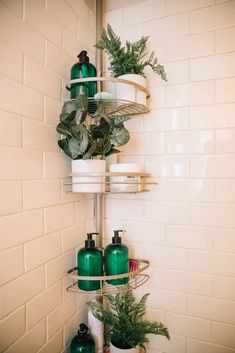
[
  {"x": 117, "y": 259},
  {"x": 90, "y": 263}
]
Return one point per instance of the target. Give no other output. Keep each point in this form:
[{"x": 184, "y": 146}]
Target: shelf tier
[
  {"x": 135, "y": 186},
  {"x": 136, "y": 279},
  {"x": 113, "y": 106}
]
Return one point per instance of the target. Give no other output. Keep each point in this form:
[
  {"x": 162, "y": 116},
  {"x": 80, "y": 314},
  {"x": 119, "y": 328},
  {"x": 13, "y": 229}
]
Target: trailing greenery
[
  {"x": 90, "y": 135},
  {"x": 124, "y": 325},
  {"x": 130, "y": 59}
]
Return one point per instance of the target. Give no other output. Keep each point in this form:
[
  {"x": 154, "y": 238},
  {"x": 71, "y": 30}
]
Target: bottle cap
[
  {"x": 83, "y": 58},
  {"x": 116, "y": 239},
  {"x": 90, "y": 243},
  {"x": 82, "y": 330}
]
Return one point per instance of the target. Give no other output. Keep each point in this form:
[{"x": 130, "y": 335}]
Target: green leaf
[
  {"x": 120, "y": 136},
  {"x": 64, "y": 129},
  {"x": 63, "y": 144},
  {"x": 120, "y": 119},
  {"x": 68, "y": 107}
]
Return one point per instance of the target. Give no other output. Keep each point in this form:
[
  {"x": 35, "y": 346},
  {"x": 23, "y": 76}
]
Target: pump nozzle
[
  {"x": 90, "y": 243},
  {"x": 83, "y": 58},
  {"x": 116, "y": 239}
]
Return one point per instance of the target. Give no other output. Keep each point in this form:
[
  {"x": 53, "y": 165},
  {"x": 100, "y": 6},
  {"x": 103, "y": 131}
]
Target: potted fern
[
  {"x": 125, "y": 327},
  {"x": 129, "y": 62},
  {"x": 88, "y": 139}
]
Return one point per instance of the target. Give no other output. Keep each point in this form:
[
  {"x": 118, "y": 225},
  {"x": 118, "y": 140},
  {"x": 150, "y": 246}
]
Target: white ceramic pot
[
  {"x": 129, "y": 92},
  {"x": 86, "y": 184},
  {"x": 114, "y": 349},
  {"x": 130, "y": 181}
]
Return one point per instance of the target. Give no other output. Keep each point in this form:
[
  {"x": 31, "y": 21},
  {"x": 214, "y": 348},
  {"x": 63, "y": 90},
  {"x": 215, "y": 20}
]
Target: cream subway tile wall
[
  {"x": 186, "y": 224},
  {"x": 40, "y": 225}
]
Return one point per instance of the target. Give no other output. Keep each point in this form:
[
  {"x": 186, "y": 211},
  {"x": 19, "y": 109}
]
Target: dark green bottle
[
  {"x": 90, "y": 263},
  {"x": 83, "y": 342},
  {"x": 83, "y": 69},
  {"x": 117, "y": 259}
]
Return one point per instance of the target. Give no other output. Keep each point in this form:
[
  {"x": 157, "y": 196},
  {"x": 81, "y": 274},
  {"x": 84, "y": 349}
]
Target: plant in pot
[
  {"x": 129, "y": 62},
  {"x": 88, "y": 139},
  {"x": 125, "y": 327}
]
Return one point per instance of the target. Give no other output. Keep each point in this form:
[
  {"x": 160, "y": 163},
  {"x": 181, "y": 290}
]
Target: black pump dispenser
[
  {"x": 90, "y": 243},
  {"x": 82, "y": 330},
  {"x": 116, "y": 239},
  {"x": 83, "y": 58}
]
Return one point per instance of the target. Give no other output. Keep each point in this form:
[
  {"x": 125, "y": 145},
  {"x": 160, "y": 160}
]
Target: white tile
[
  {"x": 166, "y": 119},
  {"x": 58, "y": 61},
  {"x": 220, "y": 215},
  {"x": 27, "y": 102},
  {"x": 114, "y": 17},
  {"x": 190, "y": 94},
  {"x": 224, "y": 287},
  {"x": 35, "y": 257},
  {"x": 61, "y": 11},
  {"x": 53, "y": 345},
  {"x": 153, "y": 233},
  {"x": 157, "y": 98},
  {"x": 14, "y": 5},
  {"x": 56, "y": 165},
  {"x": 167, "y": 257},
  {"x": 190, "y": 46},
  {"x": 198, "y": 190},
  {"x": 225, "y": 191},
  {"x": 212, "y": 17},
  {"x": 224, "y": 239},
  {"x": 11, "y": 61},
  {"x": 41, "y": 78},
  {"x": 212, "y": 116},
  {"x": 167, "y": 300},
  {"x": 170, "y": 346},
  {"x": 12, "y": 328},
  {"x": 43, "y": 304},
  {"x": 53, "y": 109},
  {"x": 19, "y": 291},
  {"x": 212, "y": 309},
  {"x": 11, "y": 197},
  {"x": 43, "y": 22},
  {"x": 20, "y": 164},
  {"x": 224, "y": 142},
  {"x": 61, "y": 315},
  {"x": 58, "y": 268},
  {"x": 45, "y": 193},
  {"x": 174, "y": 6},
  {"x": 212, "y": 262},
  {"x": 170, "y": 166},
  {"x": 81, "y": 9},
  {"x": 13, "y": 123},
  {"x": 225, "y": 90},
  {"x": 167, "y": 27},
  {"x": 72, "y": 237},
  {"x": 20, "y": 35},
  {"x": 204, "y": 347},
  {"x": 7, "y": 259},
  {"x": 212, "y": 67},
  {"x": 17, "y": 229},
  {"x": 177, "y": 71},
  {"x": 224, "y": 39},
  {"x": 190, "y": 142},
  {"x": 71, "y": 45},
  {"x": 223, "y": 334},
  {"x": 188, "y": 326},
  {"x": 120, "y": 209},
  {"x": 144, "y": 11},
  {"x": 189, "y": 237},
  {"x": 177, "y": 213},
  {"x": 145, "y": 143},
  {"x": 217, "y": 166},
  {"x": 72, "y": 325},
  {"x": 31, "y": 341},
  {"x": 189, "y": 282},
  {"x": 59, "y": 217}
]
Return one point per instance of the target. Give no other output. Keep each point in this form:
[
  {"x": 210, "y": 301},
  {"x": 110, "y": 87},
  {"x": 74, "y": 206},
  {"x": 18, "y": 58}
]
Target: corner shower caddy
[{"x": 113, "y": 107}]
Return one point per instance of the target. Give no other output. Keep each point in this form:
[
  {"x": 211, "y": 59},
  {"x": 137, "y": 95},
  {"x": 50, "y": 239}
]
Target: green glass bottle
[
  {"x": 90, "y": 263},
  {"x": 83, "y": 342},
  {"x": 117, "y": 259},
  {"x": 83, "y": 69}
]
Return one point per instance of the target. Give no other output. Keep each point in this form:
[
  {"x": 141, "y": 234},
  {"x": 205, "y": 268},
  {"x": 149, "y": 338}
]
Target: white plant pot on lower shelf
[
  {"x": 88, "y": 184},
  {"x": 114, "y": 349},
  {"x": 125, "y": 91}
]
